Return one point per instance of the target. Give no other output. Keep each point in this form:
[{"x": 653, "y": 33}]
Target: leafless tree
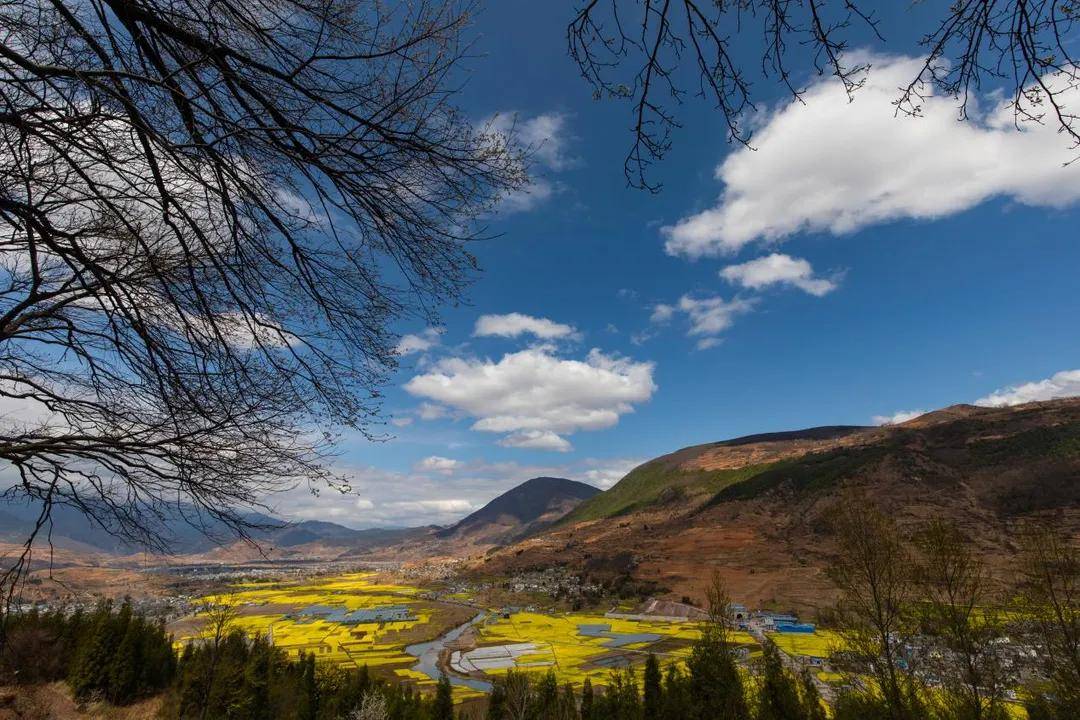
[
  {"x": 518, "y": 695},
  {"x": 219, "y": 620},
  {"x": 645, "y": 51},
  {"x": 957, "y": 607},
  {"x": 873, "y": 574},
  {"x": 210, "y": 214},
  {"x": 1049, "y": 568},
  {"x": 372, "y": 707}
]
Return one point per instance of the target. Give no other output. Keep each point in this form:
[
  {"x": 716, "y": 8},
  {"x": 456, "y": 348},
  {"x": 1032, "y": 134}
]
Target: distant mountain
[
  {"x": 189, "y": 534},
  {"x": 757, "y": 508},
  {"x": 528, "y": 508}
]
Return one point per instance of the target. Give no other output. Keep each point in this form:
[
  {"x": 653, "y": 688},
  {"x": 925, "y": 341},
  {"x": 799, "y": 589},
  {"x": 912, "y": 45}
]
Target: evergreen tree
[
  {"x": 89, "y": 674},
  {"x": 588, "y": 711},
  {"x": 811, "y": 698},
  {"x": 545, "y": 701},
  {"x": 125, "y": 668},
  {"x": 653, "y": 692},
  {"x": 309, "y": 689},
  {"x": 443, "y": 708},
  {"x": 257, "y": 682},
  {"x": 568, "y": 704},
  {"x": 622, "y": 701},
  {"x": 778, "y": 692},
  {"x": 715, "y": 684},
  {"x": 676, "y": 705}
]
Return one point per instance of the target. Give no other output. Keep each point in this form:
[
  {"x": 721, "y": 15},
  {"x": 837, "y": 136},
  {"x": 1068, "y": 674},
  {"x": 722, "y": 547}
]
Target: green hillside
[{"x": 658, "y": 482}]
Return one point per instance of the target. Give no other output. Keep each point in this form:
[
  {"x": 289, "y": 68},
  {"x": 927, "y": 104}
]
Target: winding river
[{"x": 427, "y": 655}]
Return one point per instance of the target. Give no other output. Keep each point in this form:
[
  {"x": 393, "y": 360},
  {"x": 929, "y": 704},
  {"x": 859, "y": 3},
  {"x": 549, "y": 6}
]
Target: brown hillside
[{"x": 988, "y": 469}]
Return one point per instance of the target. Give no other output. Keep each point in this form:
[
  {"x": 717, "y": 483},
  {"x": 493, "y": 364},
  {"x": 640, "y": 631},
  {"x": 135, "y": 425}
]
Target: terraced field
[
  {"x": 576, "y": 646},
  {"x": 356, "y": 620},
  {"x": 349, "y": 620}
]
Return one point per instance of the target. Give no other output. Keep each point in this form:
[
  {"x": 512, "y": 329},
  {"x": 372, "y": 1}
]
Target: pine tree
[
  {"x": 89, "y": 674},
  {"x": 587, "y": 702},
  {"x": 653, "y": 691},
  {"x": 309, "y": 706},
  {"x": 546, "y": 698},
  {"x": 811, "y": 698},
  {"x": 125, "y": 668},
  {"x": 257, "y": 682},
  {"x": 715, "y": 683},
  {"x": 676, "y": 705},
  {"x": 443, "y": 708},
  {"x": 778, "y": 692},
  {"x": 568, "y": 704}
]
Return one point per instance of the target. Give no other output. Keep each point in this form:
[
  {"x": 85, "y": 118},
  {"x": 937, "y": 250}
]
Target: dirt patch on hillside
[{"x": 54, "y": 702}]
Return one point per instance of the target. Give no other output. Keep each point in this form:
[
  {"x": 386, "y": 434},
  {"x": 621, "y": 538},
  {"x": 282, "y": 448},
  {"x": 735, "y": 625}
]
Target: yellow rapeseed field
[{"x": 560, "y": 644}]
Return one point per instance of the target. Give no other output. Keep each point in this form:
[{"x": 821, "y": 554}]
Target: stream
[{"x": 427, "y": 655}]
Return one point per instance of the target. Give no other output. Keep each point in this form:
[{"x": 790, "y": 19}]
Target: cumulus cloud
[
  {"x": 896, "y": 418},
  {"x": 537, "y": 440},
  {"x": 830, "y": 165},
  {"x": 710, "y": 316},
  {"x": 778, "y": 269},
  {"x": 1061, "y": 385},
  {"x": 604, "y": 474},
  {"x": 385, "y": 498},
  {"x": 403, "y": 421},
  {"x": 535, "y": 390},
  {"x": 514, "y": 324},
  {"x": 431, "y": 411},
  {"x": 545, "y": 138},
  {"x": 536, "y": 193},
  {"x": 662, "y": 312},
  {"x": 418, "y": 342},
  {"x": 438, "y": 464}
]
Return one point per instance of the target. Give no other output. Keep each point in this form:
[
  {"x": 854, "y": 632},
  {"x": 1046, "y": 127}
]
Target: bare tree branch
[{"x": 210, "y": 213}]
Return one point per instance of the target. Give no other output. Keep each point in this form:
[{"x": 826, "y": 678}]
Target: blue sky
[{"x": 853, "y": 267}]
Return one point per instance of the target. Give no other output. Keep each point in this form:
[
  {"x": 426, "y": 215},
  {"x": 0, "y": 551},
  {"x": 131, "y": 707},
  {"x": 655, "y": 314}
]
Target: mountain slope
[
  {"x": 757, "y": 508},
  {"x": 194, "y": 535},
  {"x": 700, "y": 471},
  {"x": 526, "y": 508}
]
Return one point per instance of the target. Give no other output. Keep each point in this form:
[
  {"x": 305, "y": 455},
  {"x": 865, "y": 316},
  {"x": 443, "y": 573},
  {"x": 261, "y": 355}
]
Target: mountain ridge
[
  {"x": 757, "y": 508},
  {"x": 520, "y": 511}
]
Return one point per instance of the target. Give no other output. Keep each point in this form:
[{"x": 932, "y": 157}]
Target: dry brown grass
[{"x": 54, "y": 702}]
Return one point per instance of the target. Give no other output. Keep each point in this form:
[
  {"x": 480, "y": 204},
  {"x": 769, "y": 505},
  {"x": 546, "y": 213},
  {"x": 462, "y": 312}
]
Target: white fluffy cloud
[
  {"x": 898, "y": 417},
  {"x": 514, "y": 324},
  {"x": 545, "y": 137},
  {"x": 535, "y": 390},
  {"x": 662, "y": 313},
  {"x": 1061, "y": 385},
  {"x": 537, "y": 440},
  {"x": 835, "y": 166},
  {"x": 438, "y": 464},
  {"x": 778, "y": 269},
  {"x": 710, "y": 316},
  {"x": 604, "y": 474},
  {"x": 384, "y": 498},
  {"x": 418, "y": 342}
]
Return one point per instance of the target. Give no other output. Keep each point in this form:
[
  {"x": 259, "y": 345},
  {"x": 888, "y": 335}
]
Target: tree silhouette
[
  {"x": 210, "y": 213},
  {"x": 656, "y": 53}
]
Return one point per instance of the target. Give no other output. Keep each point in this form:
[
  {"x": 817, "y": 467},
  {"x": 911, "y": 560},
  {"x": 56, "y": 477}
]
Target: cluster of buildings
[{"x": 765, "y": 621}]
